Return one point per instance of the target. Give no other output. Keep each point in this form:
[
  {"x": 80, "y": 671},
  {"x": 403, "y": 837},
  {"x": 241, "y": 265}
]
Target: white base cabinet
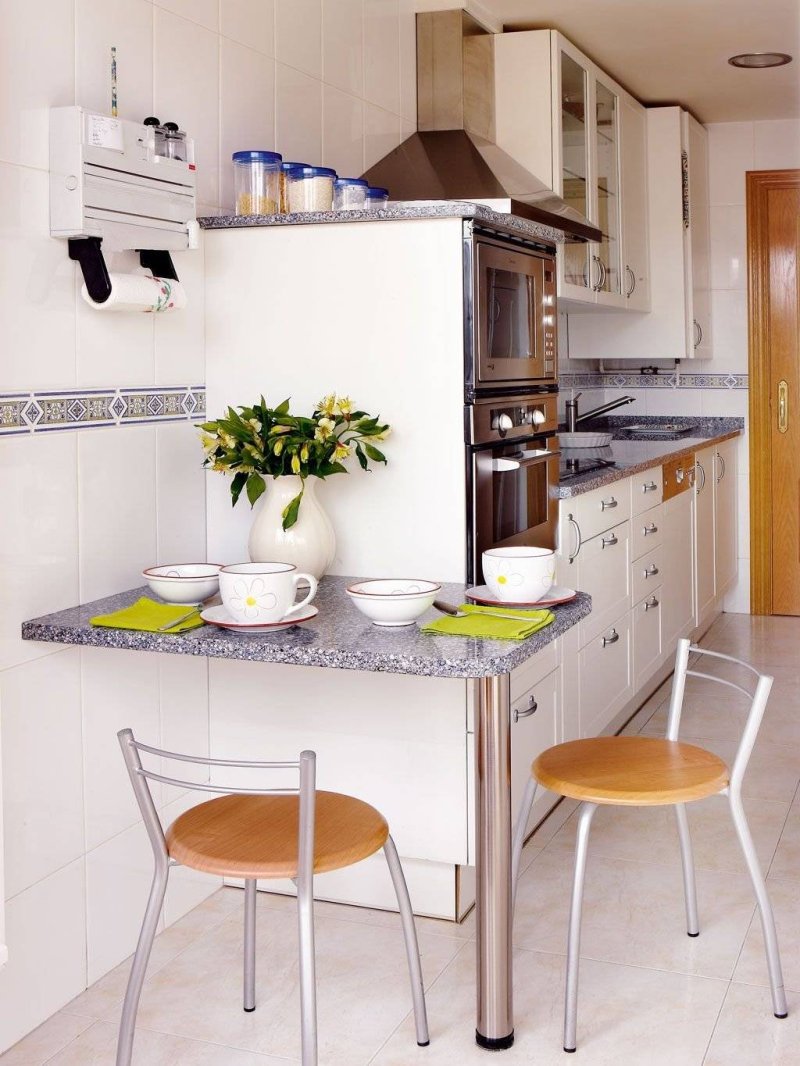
[
  {"x": 725, "y": 516},
  {"x": 606, "y": 668}
]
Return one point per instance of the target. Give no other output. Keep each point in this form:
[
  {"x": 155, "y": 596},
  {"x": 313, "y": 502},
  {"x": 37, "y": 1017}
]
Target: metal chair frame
[
  {"x": 758, "y": 702},
  {"x": 304, "y": 882}
]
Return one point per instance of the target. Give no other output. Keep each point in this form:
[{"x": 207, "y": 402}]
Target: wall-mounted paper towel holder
[{"x": 88, "y": 253}]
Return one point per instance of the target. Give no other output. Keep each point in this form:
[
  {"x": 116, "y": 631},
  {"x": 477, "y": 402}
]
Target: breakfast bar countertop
[{"x": 339, "y": 638}]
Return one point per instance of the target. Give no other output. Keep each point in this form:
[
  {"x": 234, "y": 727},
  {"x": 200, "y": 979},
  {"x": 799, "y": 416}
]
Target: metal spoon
[
  {"x": 448, "y": 608},
  {"x": 208, "y": 602}
]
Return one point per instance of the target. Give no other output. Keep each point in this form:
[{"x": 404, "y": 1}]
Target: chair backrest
[
  {"x": 762, "y": 684},
  {"x": 140, "y": 777}
]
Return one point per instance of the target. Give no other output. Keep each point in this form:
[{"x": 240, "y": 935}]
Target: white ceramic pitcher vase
[{"x": 310, "y": 544}]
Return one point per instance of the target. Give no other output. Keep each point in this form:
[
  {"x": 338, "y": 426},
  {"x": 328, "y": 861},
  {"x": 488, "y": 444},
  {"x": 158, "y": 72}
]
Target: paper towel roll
[{"x": 141, "y": 292}]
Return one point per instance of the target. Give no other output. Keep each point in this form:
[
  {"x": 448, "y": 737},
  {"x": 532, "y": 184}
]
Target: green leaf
[
  {"x": 291, "y": 511},
  {"x": 325, "y": 469},
  {"x": 237, "y": 485},
  {"x": 374, "y": 454},
  {"x": 362, "y": 459},
  {"x": 282, "y": 408},
  {"x": 209, "y": 427},
  {"x": 255, "y": 487}
]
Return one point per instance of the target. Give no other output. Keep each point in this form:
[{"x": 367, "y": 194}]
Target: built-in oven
[
  {"x": 512, "y": 474},
  {"x": 512, "y": 342}
]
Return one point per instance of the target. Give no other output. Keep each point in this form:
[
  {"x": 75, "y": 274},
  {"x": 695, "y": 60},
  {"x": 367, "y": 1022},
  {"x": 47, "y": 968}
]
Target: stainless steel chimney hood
[{"x": 453, "y": 156}]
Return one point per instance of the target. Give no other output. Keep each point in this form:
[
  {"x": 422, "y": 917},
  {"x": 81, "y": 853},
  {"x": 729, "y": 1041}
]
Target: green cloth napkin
[
  {"x": 149, "y": 616},
  {"x": 483, "y": 622}
]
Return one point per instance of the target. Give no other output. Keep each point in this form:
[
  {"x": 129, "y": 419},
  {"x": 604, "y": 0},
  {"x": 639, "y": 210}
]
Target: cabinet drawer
[
  {"x": 594, "y": 512},
  {"x": 535, "y": 719},
  {"x": 647, "y": 489},
  {"x": 646, "y": 531},
  {"x": 604, "y": 571},
  {"x": 646, "y": 622},
  {"x": 647, "y": 573},
  {"x": 606, "y": 676}
]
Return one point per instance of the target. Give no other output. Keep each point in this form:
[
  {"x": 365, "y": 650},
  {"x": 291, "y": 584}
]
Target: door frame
[{"x": 759, "y": 184}]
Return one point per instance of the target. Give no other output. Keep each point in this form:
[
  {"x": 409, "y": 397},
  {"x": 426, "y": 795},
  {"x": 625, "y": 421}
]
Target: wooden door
[{"x": 773, "y": 218}]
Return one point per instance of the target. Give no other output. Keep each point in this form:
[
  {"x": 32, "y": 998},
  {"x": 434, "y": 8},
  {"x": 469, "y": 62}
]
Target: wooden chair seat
[
  {"x": 634, "y": 771},
  {"x": 257, "y": 836}
]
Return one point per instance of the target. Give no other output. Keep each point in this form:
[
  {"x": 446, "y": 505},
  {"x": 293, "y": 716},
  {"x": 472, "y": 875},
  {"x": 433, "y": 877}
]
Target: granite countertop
[
  {"x": 635, "y": 454},
  {"x": 339, "y": 637},
  {"x": 400, "y": 209}
]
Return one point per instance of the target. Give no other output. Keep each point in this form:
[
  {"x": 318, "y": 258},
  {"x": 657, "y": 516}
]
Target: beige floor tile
[
  {"x": 97, "y": 1047},
  {"x": 763, "y": 641},
  {"x": 622, "y": 1010},
  {"x": 747, "y": 1034},
  {"x": 39, "y": 1046},
  {"x": 752, "y": 967},
  {"x": 633, "y": 914},
  {"x": 786, "y": 863},
  {"x": 362, "y": 980}
]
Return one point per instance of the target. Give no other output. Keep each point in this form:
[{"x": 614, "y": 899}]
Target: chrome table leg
[{"x": 495, "y": 1012}]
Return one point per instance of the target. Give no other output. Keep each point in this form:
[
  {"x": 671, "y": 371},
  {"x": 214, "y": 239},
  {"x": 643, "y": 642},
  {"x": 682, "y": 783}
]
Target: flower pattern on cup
[{"x": 250, "y": 597}]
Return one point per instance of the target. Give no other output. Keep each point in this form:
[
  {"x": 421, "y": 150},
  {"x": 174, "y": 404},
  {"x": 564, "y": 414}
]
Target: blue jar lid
[
  {"x": 375, "y": 192},
  {"x": 303, "y": 171},
  {"x": 254, "y": 156},
  {"x": 342, "y": 183},
  {"x": 288, "y": 166}
]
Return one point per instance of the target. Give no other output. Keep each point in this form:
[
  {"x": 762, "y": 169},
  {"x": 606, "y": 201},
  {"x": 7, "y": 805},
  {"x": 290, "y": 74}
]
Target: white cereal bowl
[
  {"x": 183, "y": 582},
  {"x": 393, "y": 601}
]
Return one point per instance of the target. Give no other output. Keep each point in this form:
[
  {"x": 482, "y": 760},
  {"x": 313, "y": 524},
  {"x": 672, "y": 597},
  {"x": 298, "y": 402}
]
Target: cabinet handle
[
  {"x": 698, "y": 333},
  {"x": 578, "y": 540},
  {"x": 702, "y": 470},
  {"x": 649, "y": 486},
  {"x": 652, "y": 528},
  {"x": 612, "y": 639},
  {"x": 596, "y": 285},
  {"x": 526, "y": 712},
  {"x": 603, "y": 275},
  {"x": 608, "y": 505},
  {"x": 651, "y": 570},
  {"x": 652, "y": 602},
  {"x": 783, "y": 406},
  {"x": 632, "y": 276},
  {"x": 609, "y": 542},
  {"x": 721, "y": 462}
]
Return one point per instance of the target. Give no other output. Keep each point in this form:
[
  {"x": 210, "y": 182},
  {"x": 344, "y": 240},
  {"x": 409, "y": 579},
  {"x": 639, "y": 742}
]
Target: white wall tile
[
  {"x": 179, "y": 353},
  {"x": 37, "y": 72},
  {"x": 342, "y": 132},
  {"x": 40, "y": 711},
  {"x": 777, "y": 144},
  {"x": 638, "y": 407},
  {"x": 180, "y": 494},
  {"x": 126, "y": 25},
  {"x": 724, "y": 403},
  {"x": 38, "y": 536},
  {"x": 408, "y": 61},
  {"x": 247, "y": 107},
  {"x": 37, "y": 303},
  {"x": 183, "y": 703},
  {"x": 343, "y": 45},
  {"x": 120, "y": 691},
  {"x": 382, "y": 54},
  {"x": 204, "y": 12},
  {"x": 46, "y": 936},
  {"x": 729, "y": 328},
  {"x": 298, "y": 34},
  {"x": 737, "y": 601},
  {"x": 250, "y": 22},
  {"x": 730, "y": 154},
  {"x": 672, "y": 402},
  {"x": 116, "y": 509},
  {"x": 298, "y": 115},
  {"x": 186, "y": 79},
  {"x": 382, "y": 133},
  {"x": 728, "y": 226}
]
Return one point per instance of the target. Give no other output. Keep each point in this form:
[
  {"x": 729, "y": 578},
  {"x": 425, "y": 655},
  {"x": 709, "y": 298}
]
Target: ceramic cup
[
  {"x": 519, "y": 575},
  {"x": 263, "y": 592}
]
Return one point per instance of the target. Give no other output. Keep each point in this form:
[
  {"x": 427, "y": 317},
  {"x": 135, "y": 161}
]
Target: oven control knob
[
  {"x": 502, "y": 423},
  {"x": 537, "y": 417}
]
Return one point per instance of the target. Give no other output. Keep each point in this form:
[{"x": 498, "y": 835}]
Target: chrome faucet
[{"x": 573, "y": 418}]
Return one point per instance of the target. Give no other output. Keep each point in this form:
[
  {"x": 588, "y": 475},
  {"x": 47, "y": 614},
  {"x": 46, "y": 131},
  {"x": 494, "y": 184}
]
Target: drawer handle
[
  {"x": 608, "y": 505},
  {"x": 651, "y": 528},
  {"x": 651, "y": 570},
  {"x": 649, "y": 486},
  {"x": 578, "y": 541},
  {"x": 652, "y": 602},
  {"x": 526, "y": 712},
  {"x": 609, "y": 542},
  {"x": 612, "y": 639}
]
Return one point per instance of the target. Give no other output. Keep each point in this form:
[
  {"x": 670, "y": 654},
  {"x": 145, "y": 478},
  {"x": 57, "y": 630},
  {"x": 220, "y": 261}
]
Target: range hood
[{"x": 454, "y": 154}]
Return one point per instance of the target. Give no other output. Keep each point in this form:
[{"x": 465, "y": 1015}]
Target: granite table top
[
  {"x": 399, "y": 209},
  {"x": 339, "y": 638},
  {"x": 632, "y": 456}
]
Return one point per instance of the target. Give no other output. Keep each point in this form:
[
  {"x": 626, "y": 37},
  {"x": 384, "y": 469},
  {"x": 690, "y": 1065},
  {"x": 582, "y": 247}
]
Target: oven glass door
[
  {"x": 510, "y": 315},
  {"x": 513, "y": 502}
]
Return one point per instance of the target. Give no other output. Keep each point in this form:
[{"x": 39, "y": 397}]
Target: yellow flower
[
  {"x": 295, "y": 464},
  {"x": 276, "y": 430},
  {"x": 327, "y": 405},
  {"x": 324, "y": 429},
  {"x": 344, "y": 405},
  {"x": 277, "y": 447},
  {"x": 228, "y": 440},
  {"x": 304, "y": 453},
  {"x": 254, "y": 424},
  {"x": 210, "y": 444},
  {"x": 341, "y": 452}
]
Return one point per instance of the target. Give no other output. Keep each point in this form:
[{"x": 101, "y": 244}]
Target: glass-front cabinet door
[
  {"x": 572, "y": 140},
  {"x": 608, "y": 253}
]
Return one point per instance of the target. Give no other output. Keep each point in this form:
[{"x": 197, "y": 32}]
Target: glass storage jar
[
  {"x": 256, "y": 182},
  {"x": 350, "y": 194},
  {"x": 284, "y": 197},
  {"x": 377, "y": 198},
  {"x": 309, "y": 188}
]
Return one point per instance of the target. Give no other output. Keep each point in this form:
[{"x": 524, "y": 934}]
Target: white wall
[{"x": 83, "y": 510}]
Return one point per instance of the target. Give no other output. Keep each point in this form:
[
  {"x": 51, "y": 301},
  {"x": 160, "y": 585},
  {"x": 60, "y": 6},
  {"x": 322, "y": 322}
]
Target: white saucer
[
  {"x": 555, "y": 595},
  {"x": 218, "y": 616}
]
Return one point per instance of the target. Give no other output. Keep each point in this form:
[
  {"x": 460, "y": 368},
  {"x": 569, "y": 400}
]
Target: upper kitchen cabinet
[
  {"x": 633, "y": 193},
  {"x": 678, "y": 325}
]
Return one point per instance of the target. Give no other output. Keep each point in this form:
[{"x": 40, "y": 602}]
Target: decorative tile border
[
  {"x": 41, "y": 412},
  {"x": 616, "y": 379}
]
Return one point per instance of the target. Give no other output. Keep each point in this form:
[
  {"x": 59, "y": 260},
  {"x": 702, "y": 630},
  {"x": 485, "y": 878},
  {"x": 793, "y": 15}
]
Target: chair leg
[
  {"x": 585, "y": 816},
  {"x": 519, "y": 835},
  {"x": 144, "y": 946},
  {"x": 779, "y": 1006},
  {"x": 687, "y": 861},
  {"x": 412, "y": 946},
  {"x": 308, "y": 977},
  {"x": 250, "y": 945}
]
